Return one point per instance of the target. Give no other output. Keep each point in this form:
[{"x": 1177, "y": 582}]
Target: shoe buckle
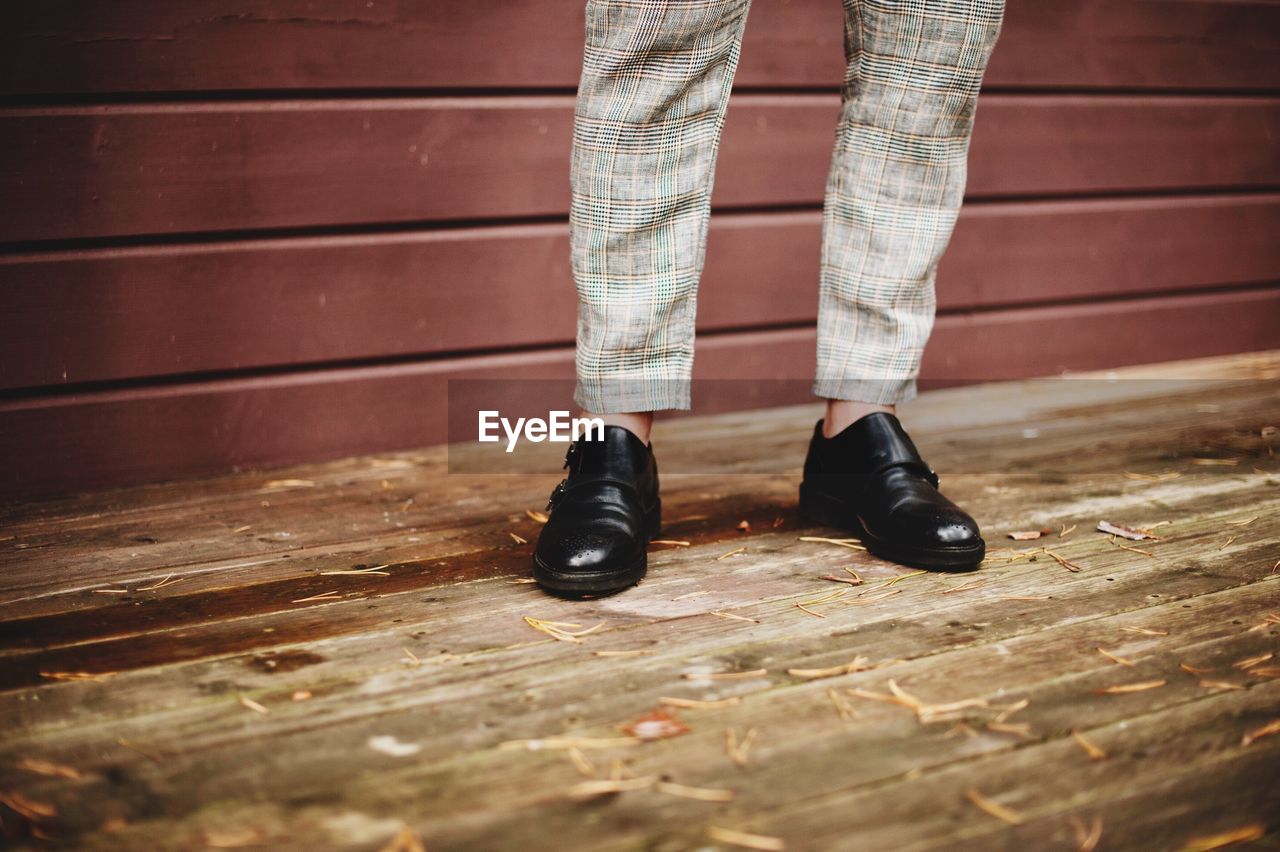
[
  {"x": 555, "y": 495},
  {"x": 569, "y": 454}
]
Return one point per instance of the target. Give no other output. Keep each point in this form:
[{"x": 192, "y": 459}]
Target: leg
[
  {"x": 897, "y": 179},
  {"x": 655, "y": 82},
  {"x": 896, "y": 182}
]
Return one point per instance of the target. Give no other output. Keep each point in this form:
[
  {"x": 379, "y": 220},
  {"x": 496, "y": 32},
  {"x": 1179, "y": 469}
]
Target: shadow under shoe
[
  {"x": 870, "y": 480},
  {"x": 603, "y": 515}
]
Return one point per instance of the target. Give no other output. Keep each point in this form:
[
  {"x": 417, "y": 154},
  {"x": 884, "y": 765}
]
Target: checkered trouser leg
[
  {"x": 655, "y": 83},
  {"x": 896, "y": 182}
]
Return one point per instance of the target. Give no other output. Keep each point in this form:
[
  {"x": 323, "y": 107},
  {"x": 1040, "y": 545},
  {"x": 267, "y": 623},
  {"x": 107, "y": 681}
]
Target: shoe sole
[
  {"x": 572, "y": 584},
  {"x": 829, "y": 511}
]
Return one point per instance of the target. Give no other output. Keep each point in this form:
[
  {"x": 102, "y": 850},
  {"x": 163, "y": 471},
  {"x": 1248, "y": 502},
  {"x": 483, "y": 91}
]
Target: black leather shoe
[
  {"x": 871, "y": 481},
  {"x": 602, "y": 517}
]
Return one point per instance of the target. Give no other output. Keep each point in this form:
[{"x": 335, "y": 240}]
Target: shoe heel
[
  {"x": 653, "y": 521},
  {"x": 828, "y": 511}
]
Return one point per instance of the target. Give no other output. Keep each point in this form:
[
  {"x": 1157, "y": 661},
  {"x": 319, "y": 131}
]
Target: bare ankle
[
  {"x": 842, "y": 413},
  {"x": 638, "y": 423}
]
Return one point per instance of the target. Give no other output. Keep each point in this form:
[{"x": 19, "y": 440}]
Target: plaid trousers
[{"x": 655, "y": 81}]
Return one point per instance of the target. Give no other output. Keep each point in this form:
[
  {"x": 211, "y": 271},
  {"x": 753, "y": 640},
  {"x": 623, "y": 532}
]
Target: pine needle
[
  {"x": 570, "y": 742},
  {"x": 591, "y": 789},
  {"x": 1219, "y": 684},
  {"x": 1146, "y": 632},
  {"x": 1090, "y": 749},
  {"x": 49, "y": 768},
  {"x": 726, "y": 675},
  {"x": 1272, "y": 727},
  {"x": 730, "y": 615},
  {"x": 518, "y": 539},
  {"x": 1126, "y": 688},
  {"x": 745, "y": 839},
  {"x": 632, "y": 653},
  {"x": 850, "y": 543},
  {"x": 994, "y": 808},
  {"x": 323, "y": 596},
  {"x": 1227, "y": 838},
  {"x": 1087, "y": 839},
  {"x": 731, "y": 553},
  {"x": 737, "y": 750},
  {"x": 1192, "y": 670},
  {"x": 555, "y": 629},
  {"x": 843, "y": 708},
  {"x": 701, "y": 794},
  {"x": 580, "y": 762},
  {"x": 859, "y": 663},
  {"x": 1113, "y": 658},
  {"x": 670, "y": 541},
  {"x": 1250, "y": 662},
  {"x": 698, "y": 704},
  {"x": 250, "y": 704}
]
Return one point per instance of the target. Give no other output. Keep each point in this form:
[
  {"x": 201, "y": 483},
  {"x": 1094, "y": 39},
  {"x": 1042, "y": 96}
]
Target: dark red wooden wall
[{"x": 239, "y": 233}]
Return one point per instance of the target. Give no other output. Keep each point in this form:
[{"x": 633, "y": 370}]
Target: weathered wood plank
[
  {"x": 310, "y": 299},
  {"x": 1200, "y": 630},
  {"x": 133, "y": 170},
  {"x": 78, "y": 46},
  {"x": 195, "y": 762},
  {"x": 364, "y": 515}
]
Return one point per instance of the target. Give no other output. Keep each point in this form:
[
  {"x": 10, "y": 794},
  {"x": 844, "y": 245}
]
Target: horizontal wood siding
[{"x": 242, "y": 234}]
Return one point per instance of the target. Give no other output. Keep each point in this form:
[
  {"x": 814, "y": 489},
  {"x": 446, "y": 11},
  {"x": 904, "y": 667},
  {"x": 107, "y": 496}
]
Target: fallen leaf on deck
[
  {"x": 657, "y": 725},
  {"x": 1029, "y": 535},
  {"x": 405, "y": 840},
  {"x": 744, "y": 527},
  {"x": 540, "y": 517},
  {"x": 1124, "y": 532},
  {"x": 390, "y": 745}
]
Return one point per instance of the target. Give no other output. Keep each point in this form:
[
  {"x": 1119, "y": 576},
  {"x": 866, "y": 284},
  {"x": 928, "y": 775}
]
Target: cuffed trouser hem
[
  {"x": 625, "y": 395},
  {"x": 871, "y": 391}
]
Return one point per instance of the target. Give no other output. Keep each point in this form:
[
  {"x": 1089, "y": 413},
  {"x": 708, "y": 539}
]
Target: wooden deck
[{"x": 181, "y": 667}]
